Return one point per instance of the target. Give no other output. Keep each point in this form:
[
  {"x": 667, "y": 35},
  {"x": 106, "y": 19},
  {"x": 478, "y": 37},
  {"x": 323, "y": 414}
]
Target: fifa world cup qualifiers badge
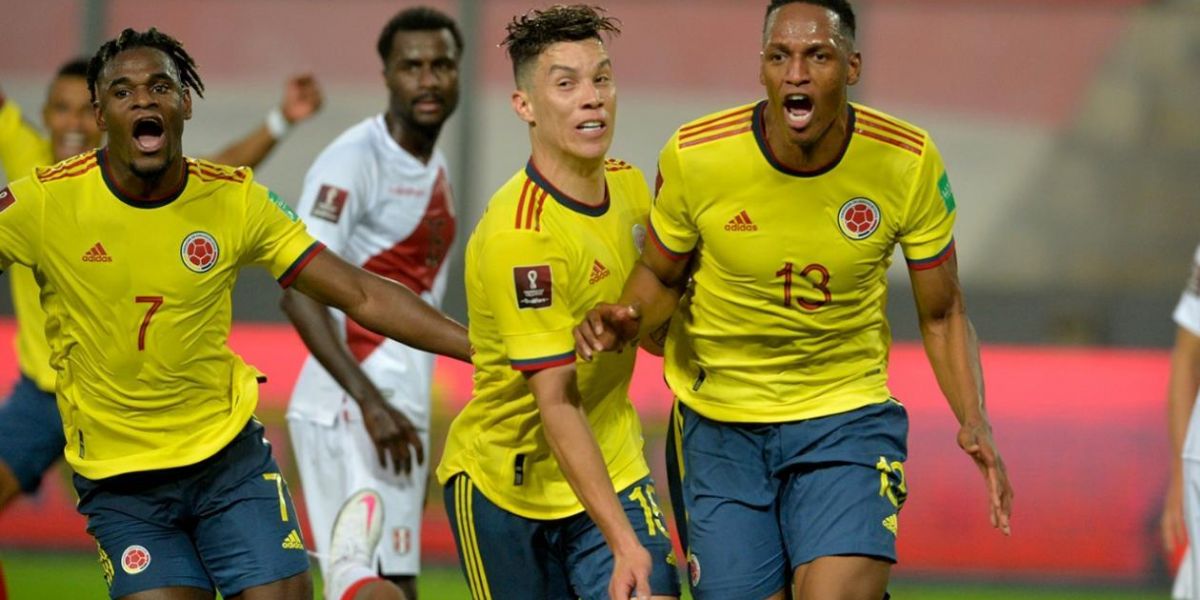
[
  {"x": 6, "y": 199},
  {"x": 534, "y": 288}
]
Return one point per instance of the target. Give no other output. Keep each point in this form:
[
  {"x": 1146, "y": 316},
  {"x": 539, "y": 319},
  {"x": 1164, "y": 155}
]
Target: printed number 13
[
  {"x": 822, "y": 285},
  {"x": 154, "y": 302}
]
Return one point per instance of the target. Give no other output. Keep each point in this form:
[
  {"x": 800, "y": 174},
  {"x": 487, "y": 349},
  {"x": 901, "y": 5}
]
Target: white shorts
[
  {"x": 1187, "y": 582},
  {"x": 337, "y": 460}
]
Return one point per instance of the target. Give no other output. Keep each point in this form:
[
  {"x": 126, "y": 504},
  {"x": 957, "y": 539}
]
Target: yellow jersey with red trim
[
  {"x": 785, "y": 319},
  {"x": 137, "y": 296},
  {"x": 536, "y": 263},
  {"x": 22, "y": 149}
]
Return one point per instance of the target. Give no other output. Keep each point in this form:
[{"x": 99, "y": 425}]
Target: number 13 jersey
[{"x": 786, "y": 317}]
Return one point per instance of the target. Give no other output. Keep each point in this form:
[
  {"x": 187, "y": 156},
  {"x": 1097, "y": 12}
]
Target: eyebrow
[
  {"x": 153, "y": 78},
  {"x": 572, "y": 70}
]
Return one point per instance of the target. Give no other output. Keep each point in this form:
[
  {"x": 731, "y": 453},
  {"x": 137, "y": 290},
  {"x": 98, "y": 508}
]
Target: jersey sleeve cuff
[
  {"x": 662, "y": 247},
  {"x": 289, "y": 276},
  {"x": 934, "y": 261},
  {"x": 529, "y": 365}
]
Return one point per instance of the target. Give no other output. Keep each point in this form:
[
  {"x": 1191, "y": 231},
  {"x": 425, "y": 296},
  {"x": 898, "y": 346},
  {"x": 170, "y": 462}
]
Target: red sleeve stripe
[
  {"x": 68, "y": 174},
  {"x": 537, "y": 364},
  {"x": 711, "y": 138},
  {"x": 208, "y": 176},
  {"x": 866, "y": 112},
  {"x": 683, "y": 137},
  {"x": 289, "y": 276},
  {"x": 537, "y": 219},
  {"x": 521, "y": 202},
  {"x": 864, "y": 120},
  {"x": 669, "y": 253},
  {"x": 745, "y": 111},
  {"x": 934, "y": 261},
  {"x": 889, "y": 140}
]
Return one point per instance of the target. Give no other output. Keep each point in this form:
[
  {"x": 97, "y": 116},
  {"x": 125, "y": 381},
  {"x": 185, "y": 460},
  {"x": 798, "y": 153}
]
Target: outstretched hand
[
  {"x": 302, "y": 98},
  {"x": 606, "y": 328},
  {"x": 394, "y": 436},
  {"x": 976, "y": 440}
]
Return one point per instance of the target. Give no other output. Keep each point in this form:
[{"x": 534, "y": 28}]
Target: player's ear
[
  {"x": 521, "y": 106},
  {"x": 99, "y": 112},
  {"x": 187, "y": 104},
  {"x": 855, "y": 68}
]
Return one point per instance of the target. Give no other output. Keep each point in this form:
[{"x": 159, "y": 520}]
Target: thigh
[
  {"x": 589, "y": 560},
  {"x": 247, "y": 532},
  {"x": 735, "y": 549},
  {"x": 31, "y": 433},
  {"x": 843, "y": 496},
  {"x": 503, "y": 556},
  {"x": 842, "y": 578},
  {"x": 150, "y": 551}
]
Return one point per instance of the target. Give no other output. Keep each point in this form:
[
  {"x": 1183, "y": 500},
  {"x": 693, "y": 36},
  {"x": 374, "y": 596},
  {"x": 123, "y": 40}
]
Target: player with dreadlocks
[{"x": 138, "y": 248}]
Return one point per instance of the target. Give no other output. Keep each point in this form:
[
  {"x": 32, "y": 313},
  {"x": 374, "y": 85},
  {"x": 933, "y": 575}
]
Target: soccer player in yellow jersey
[
  {"x": 31, "y": 437},
  {"x": 137, "y": 248},
  {"x": 532, "y": 463},
  {"x": 787, "y": 449}
]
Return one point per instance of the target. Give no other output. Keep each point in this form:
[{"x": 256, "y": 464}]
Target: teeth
[{"x": 591, "y": 125}]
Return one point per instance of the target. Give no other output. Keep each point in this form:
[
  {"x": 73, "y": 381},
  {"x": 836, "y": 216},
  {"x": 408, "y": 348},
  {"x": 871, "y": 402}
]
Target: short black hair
[
  {"x": 420, "y": 18},
  {"x": 151, "y": 38},
  {"x": 533, "y": 32},
  {"x": 76, "y": 67},
  {"x": 841, "y": 8}
]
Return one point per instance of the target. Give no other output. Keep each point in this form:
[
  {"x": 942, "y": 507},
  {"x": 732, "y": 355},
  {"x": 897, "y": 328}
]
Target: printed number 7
[{"x": 154, "y": 302}]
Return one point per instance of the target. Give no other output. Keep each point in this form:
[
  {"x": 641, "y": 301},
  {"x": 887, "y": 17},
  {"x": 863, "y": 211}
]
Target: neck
[
  {"x": 416, "y": 141},
  {"x": 147, "y": 188},
  {"x": 814, "y": 156},
  {"x": 581, "y": 179}
]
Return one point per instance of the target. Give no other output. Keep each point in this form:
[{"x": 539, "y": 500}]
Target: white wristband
[{"x": 277, "y": 124}]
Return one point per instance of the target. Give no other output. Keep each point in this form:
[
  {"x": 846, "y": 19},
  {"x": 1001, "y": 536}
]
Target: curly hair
[
  {"x": 420, "y": 18},
  {"x": 530, "y": 34},
  {"x": 152, "y": 38},
  {"x": 841, "y": 8}
]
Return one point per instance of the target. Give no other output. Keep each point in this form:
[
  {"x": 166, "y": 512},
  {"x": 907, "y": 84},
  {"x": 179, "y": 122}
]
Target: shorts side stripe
[
  {"x": 677, "y": 423},
  {"x": 473, "y": 562}
]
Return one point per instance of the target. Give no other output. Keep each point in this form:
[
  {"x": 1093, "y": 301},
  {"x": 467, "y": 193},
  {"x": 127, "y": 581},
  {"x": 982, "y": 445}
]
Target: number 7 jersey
[
  {"x": 786, "y": 316},
  {"x": 138, "y": 297}
]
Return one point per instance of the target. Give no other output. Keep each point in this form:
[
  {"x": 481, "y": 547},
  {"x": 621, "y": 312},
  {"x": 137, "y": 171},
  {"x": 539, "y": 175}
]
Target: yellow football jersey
[
  {"x": 137, "y": 297},
  {"x": 786, "y": 320},
  {"x": 22, "y": 149},
  {"x": 536, "y": 263}
]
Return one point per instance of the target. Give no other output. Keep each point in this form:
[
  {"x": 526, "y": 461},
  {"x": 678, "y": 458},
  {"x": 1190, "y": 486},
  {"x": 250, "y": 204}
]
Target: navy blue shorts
[
  {"x": 508, "y": 557},
  {"x": 226, "y": 522},
  {"x": 31, "y": 433},
  {"x": 763, "y": 499}
]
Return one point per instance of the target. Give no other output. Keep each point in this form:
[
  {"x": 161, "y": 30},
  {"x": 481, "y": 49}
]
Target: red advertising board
[{"x": 1082, "y": 431}]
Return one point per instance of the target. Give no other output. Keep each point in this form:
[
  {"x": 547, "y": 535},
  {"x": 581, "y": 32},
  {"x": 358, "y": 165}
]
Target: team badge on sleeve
[
  {"x": 135, "y": 559},
  {"x": 858, "y": 218},
  {"x": 330, "y": 202},
  {"x": 533, "y": 286},
  {"x": 199, "y": 252},
  {"x": 6, "y": 199}
]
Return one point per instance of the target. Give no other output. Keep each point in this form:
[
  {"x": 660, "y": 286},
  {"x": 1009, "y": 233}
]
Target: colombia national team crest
[
  {"x": 135, "y": 559},
  {"x": 199, "y": 252},
  {"x": 858, "y": 218}
]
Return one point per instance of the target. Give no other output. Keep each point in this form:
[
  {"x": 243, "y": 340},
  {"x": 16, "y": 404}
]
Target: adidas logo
[
  {"x": 891, "y": 523},
  {"x": 741, "y": 222},
  {"x": 97, "y": 253},
  {"x": 292, "y": 541},
  {"x": 599, "y": 271}
]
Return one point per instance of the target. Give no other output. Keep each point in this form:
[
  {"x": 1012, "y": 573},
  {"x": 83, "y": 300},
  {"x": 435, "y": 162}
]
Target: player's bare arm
[
  {"x": 302, "y": 99},
  {"x": 953, "y": 351},
  {"x": 1181, "y": 399},
  {"x": 647, "y": 302},
  {"x": 393, "y": 434},
  {"x": 579, "y": 457},
  {"x": 383, "y": 306}
]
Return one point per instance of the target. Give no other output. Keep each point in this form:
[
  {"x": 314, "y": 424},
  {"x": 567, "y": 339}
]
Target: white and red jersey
[
  {"x": 1187, "y": 316},
  {"x": 380, "y": 208}
]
